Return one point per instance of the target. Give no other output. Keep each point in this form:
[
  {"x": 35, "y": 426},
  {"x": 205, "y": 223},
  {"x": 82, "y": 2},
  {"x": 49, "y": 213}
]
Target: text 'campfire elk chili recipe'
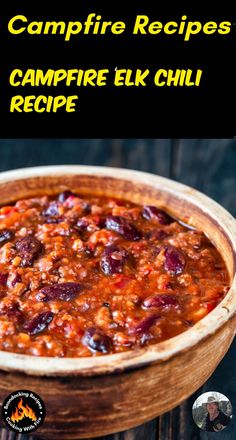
[{"x": 83, "y": 276}]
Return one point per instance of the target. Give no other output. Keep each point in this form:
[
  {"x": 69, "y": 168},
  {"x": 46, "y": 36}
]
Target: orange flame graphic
[{"x": 22, "y": 411}]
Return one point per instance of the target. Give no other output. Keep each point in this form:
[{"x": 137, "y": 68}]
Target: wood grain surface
[{"x": 206, "y": 164}]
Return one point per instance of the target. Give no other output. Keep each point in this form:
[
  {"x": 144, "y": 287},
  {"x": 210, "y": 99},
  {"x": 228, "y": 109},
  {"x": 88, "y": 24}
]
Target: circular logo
[
  {"x": 23, "y": 411},
  {"x": 212, "y": 411}
]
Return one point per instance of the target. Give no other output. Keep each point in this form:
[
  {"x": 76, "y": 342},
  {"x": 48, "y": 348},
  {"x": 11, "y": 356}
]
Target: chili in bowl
[{"x": 88, "y": 275}]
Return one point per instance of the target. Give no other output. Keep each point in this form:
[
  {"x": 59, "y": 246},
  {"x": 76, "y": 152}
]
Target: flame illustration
[{"x": 22, "y": 411}]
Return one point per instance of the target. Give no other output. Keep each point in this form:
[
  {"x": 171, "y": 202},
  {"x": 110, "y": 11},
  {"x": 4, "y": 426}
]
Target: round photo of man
[{"x": 212, "y": 411}]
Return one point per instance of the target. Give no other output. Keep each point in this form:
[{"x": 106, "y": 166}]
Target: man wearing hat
[{"x": 215, "y": 420}]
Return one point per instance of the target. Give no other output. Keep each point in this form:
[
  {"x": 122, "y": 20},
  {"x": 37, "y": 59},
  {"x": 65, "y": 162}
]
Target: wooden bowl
[{"x": 95, "y": 396}]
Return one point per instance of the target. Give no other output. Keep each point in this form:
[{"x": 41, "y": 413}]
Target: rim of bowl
[{"x": 159, "y": 352}]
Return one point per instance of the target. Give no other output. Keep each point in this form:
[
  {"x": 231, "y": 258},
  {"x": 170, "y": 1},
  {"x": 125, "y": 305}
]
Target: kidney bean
[
  {"x": 13, "y": 312},
  {"x": 92, "y": 224},
  {"x": 52, "y": 210},
  {"x": 3, "y": 279},
  {"x": 39, "y": 323},
  {"x": 15, "y": 280},
  {"x": 106, "y": 305},
  {"x": 144, "y": 325},
  {"x": 153, "y": 213},
  {"x": 188, "y": 322},
  {"x": 160, "y": 301},
  {"x": 145, "y": 338},
  {"x": 100, "y": 221},
  {"x": 54, "y": 220},
  {"x": 174, "y": 260},
  {"x": 82, "y": 224},
  {"x": 123, "y": 227},
  {"x": 64, "y": 195},
  {"x": 5, "y": 236},
  {"x": 28, "y": 248},
  {"x": 96, "y": 340},
  {"x": 86, "y": 207},
  {"x": 113, "y": 259},
  {"x": 60, "y": 291},
  {"x": 88, "y": 251}
]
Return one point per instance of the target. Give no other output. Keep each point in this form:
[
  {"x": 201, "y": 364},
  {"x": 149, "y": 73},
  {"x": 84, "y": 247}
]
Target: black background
[{"x": 110, "y": 111}]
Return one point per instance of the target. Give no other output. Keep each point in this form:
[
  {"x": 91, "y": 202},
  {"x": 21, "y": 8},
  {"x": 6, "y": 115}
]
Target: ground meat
[{"x": 88, "y": 276}]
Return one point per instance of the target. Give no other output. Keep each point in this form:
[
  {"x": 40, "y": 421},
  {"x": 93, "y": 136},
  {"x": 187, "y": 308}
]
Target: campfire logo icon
[{"x": 23, "y": 411}]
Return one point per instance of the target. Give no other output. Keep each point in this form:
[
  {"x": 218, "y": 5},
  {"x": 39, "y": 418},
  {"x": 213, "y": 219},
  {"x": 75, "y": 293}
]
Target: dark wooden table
[{"x": 208, "y": 165}]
